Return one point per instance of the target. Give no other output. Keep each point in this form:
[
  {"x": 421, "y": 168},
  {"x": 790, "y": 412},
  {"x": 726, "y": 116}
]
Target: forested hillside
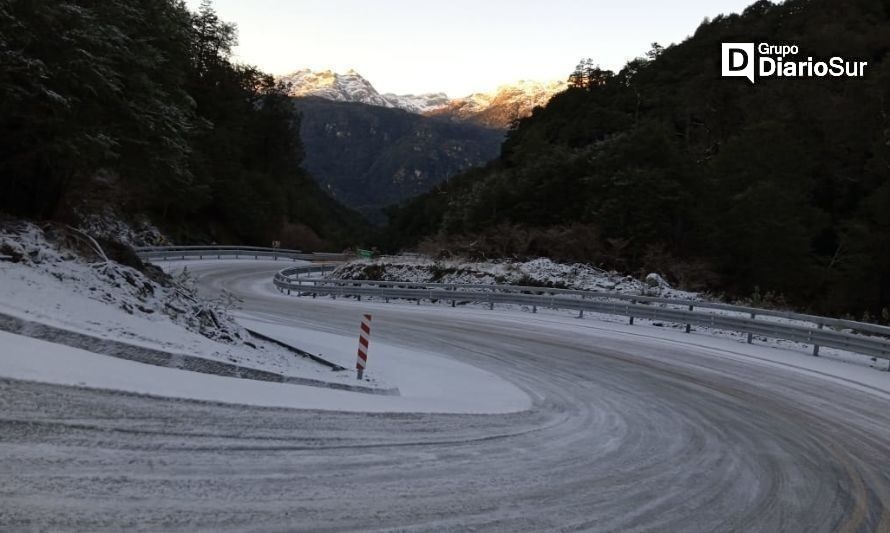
[
  {"x": 782, "y": 186},
  {"x": 368, "y": 157},
  {"x": 137, "y": 103}
]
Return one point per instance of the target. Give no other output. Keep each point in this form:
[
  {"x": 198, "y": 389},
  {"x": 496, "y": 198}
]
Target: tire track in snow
[{"x": 624, "y": 435}]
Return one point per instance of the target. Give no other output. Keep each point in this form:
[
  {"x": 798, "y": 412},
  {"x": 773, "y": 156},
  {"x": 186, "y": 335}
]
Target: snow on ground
[
  {"x": 659, "y": 327},
  {"x": 544, "y": 272},
  {"x": 655, "y": 328},
  {"x": 108, "y": 224},
  {"x": 80, "y": 267},
  {"x": 424, "y": 379},
  {"x": 52, "y": 286},
  {"x": 537, "y": 272},
  {"x": 833, "y": 365},
  {"x": 56, "y": 287},
  {"x": 436, "y": 386},
  {"x": 831, "y": 361},
  {"x": 427, "y": 381}
]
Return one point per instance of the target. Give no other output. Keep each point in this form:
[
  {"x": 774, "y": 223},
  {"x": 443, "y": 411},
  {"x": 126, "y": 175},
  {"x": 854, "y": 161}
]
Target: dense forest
[
  {"x": 137, "y": 103},
  {"x": 780, "y": 188}
]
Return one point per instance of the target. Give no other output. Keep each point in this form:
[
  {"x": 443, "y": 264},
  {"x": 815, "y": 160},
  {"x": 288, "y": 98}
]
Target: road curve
[{"x": 625, "y": 434}]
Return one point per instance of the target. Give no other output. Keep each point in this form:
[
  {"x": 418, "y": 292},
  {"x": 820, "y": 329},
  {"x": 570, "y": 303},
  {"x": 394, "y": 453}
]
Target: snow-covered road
[{"x": 627, "y": 432}]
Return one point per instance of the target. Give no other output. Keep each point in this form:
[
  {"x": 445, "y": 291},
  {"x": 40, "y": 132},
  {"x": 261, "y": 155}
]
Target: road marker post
[{"x": 363, "y": 341}]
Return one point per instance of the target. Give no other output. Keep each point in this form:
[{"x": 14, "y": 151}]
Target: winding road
[{"x": 626, "y": 433}]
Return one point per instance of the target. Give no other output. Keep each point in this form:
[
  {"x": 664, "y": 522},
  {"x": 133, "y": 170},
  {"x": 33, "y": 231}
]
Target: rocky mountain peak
[{"x": 495, "y": 109}]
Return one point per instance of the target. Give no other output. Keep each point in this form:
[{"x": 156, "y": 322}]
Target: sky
[{"x": 456, "y": 46}]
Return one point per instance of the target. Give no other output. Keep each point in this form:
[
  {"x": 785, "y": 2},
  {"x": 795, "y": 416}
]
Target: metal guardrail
[
  {"x": 170, "y": 253},
  {"x": 293, "y": 273},
  {"x": 837, "y": 323},
  {"x": 172, "y": 248},
  {"x": 868, "y": 339}
]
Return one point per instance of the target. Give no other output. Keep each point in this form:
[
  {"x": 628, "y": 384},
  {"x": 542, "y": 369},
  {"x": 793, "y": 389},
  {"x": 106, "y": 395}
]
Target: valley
[{"x": 370, "y": 150}]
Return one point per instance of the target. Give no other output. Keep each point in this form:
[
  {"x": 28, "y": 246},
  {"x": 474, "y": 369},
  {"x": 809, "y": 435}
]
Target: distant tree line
[
  {"x": 780, "y": 188},
  {"x": 137, "y": 102}
]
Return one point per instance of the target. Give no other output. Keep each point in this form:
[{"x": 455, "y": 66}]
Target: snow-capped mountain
[
  {"x": 418, "y": 103},
  {"x": 499, "y": 108},
  {"x": 352, "y": 87},
  {"x": 496, "y": 109},
  {"x": 348, "y": 87}
]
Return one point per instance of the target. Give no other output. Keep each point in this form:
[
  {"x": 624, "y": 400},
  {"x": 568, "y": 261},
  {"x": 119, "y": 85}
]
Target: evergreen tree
[
  {"x": 781, "y": 186},
  {"x": 143, "y": 94}
]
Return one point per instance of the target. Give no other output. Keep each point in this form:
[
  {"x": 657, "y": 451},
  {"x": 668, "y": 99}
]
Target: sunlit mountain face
[{"x": 495, "y": 109}]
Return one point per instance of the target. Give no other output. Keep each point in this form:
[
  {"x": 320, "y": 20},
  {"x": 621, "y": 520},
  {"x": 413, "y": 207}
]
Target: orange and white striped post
[{"x": 363, "y": 340}]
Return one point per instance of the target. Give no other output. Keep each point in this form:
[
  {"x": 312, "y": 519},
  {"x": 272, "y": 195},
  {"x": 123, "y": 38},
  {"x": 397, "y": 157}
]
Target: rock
[{"x": 654, "y": 280}]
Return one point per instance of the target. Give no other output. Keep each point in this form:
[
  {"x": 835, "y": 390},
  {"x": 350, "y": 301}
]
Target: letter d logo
[{"x": 738, "y": 60}]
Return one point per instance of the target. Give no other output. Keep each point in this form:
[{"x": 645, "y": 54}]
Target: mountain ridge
[
  {"x": 496, "y": 109},
  {"x": 369, "y": 157}
]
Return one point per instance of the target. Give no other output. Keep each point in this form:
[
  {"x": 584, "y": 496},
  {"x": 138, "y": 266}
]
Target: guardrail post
[
  {"x": 688, "y": 325},
  {"x": 816, "y": 346},
  {"x": 751, "y": 335}
]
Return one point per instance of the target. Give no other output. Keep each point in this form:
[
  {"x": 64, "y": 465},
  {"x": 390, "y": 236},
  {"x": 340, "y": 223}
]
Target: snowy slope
[
  {"x": 348, "y": 87},
  {"x": 418, "y": 103},
  {"x": 631, "y": 428},
  {"x": 55, "y": 290},
  {"x": 436, "y": 384},
  {"x": 499, "y": 108},
  {"x": 47, "y": 281},
  {"x": 353, "y": 87},
  {"x": 543, "y": 272},
  {"x": 536, "y": 272}
]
